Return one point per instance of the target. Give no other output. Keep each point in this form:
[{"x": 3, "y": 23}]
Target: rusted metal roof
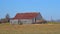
[{"x": 25, "y": 15}]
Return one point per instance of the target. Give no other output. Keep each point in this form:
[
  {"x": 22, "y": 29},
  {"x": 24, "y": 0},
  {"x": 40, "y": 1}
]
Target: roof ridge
[{"x": 28, "y": 12}]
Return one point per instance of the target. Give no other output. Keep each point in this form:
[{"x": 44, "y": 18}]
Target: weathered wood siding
[
  {"x": 26, "y": 21},
  {"x": 13, "y": 21},
  {"x": 23, "y": 21},
  {"x": 39, "y": 17}
]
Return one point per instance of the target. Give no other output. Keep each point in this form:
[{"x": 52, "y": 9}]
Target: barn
[{"x": 26, "y": 18}]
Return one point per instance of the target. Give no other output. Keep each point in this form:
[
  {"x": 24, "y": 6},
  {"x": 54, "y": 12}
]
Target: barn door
[{"x": 19, "y": 22}]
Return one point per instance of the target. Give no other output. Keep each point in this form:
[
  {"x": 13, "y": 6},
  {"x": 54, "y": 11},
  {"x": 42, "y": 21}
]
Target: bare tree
[{"x": 7, "y": 17}]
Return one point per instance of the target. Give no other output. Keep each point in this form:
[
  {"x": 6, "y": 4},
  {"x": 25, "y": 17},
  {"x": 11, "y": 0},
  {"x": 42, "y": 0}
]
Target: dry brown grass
[{"x": 30, "y": 29}]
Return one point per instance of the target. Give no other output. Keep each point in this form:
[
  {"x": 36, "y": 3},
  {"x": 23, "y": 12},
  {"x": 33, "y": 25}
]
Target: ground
[{"x": 30, "y": 29}]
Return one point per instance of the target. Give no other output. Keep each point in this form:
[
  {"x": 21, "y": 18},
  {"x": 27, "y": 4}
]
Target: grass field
[{"x": 30, "y": 29}]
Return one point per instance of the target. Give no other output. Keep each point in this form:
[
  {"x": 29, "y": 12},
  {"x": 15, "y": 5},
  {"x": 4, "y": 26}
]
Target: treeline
[{"x": 6, "y": 19}]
